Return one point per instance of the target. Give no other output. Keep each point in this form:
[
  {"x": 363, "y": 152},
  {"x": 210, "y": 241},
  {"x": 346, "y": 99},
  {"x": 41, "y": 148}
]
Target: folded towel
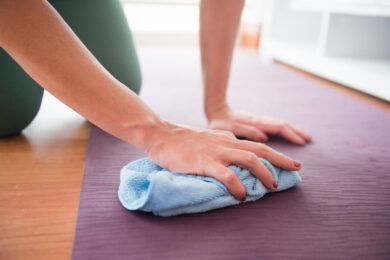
[{"x": 146, "y": 186}]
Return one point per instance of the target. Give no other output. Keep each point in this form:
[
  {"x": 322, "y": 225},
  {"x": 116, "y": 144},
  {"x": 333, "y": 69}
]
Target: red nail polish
[
  {"x": 275, "y": 185},
  {"x": 297, "y": 164},
  {"x": 243, "y": 199}
]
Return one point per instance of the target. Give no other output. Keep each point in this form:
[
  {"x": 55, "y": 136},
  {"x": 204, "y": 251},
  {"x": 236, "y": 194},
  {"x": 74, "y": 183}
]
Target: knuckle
[
  {"x": 226, "y": 133},
  {"x": 220, "y": 155},
  {"x": 267, "y": 152},
  {"x": 229, "y": 178},
  {"x": 230, "y": 134},
  {"x": 260, "y": 136},
  {"x": 262, "y": 149},
  {"x": 234, "y": 127},
  {"x": 252, "y": 158},
  {"x": 218, "y": 131}
]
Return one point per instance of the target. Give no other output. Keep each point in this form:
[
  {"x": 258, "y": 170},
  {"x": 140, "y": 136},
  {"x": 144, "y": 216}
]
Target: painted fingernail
[
  {"x": 275, "y": 185},
  {"x": 243, "y": 199},
  {"x": 297, "y": 164}
]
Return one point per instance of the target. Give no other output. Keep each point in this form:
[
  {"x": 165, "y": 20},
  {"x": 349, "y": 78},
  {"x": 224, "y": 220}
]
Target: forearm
[
  {"x": 43, "y": 44},
  {"x": 34, "y": 34},
  {"x": 219, "y": 21}
]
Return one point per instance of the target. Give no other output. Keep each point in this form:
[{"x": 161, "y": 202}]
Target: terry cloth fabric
[{"x": 146, "y": 186}]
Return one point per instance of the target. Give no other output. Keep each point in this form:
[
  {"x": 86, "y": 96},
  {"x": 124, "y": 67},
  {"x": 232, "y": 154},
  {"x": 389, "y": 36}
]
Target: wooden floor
[{"x": 40, "y": 180}]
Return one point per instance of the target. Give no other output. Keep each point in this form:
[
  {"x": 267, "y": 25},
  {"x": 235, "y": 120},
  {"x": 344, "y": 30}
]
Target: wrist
[
  {"x": 144, "y": 134},
  {"x": 216, "y": 109}
]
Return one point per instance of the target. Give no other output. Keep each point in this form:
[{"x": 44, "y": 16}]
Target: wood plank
[{"x": 40, "y": 180}]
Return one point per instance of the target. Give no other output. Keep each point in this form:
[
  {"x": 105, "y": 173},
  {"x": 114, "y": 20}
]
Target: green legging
[{"x": 102, "y": 27}]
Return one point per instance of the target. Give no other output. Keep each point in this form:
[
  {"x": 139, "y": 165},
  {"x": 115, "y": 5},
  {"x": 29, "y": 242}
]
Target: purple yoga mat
[{"x": 341, "y": 210}]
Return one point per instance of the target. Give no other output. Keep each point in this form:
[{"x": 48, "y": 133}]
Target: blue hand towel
[{"x": 146, "y": 186}]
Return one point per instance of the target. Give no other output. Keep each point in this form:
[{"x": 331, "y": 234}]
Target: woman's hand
[
  {"x": 255, "y": 128},
  {"x": 208, "y": 153}
]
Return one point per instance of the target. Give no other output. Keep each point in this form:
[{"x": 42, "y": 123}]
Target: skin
[
  {"x": 219, "y": 23},
  {"x": 34, "y": 34}
]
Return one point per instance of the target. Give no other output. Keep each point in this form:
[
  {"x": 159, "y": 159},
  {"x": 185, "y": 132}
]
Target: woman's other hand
[{"x": 256, "y": 128}]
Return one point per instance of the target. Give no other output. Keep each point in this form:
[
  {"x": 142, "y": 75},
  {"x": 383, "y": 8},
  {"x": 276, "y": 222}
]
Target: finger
[
  {"x": 273, "y": 156},
  {"x": 290, "y": 135},
  {"x": 250, "y": 132},
  {"x": 226, "y": 133},
  {"x": 302, "y": 134},
  {"x": 251, "y": 162},
  {"x": 228, "y": 178}
]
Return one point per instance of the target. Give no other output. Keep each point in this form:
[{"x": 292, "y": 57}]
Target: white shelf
[
  {"x": 367, "y": 75},
  {"x": 355, "y": 7},
  {"x": 323, "y": 38}
]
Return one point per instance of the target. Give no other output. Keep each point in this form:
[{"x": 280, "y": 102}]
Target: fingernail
[
  {"x": 297, "y": 164},
  {"x": 243, "y": 199},
  {"x": 275, "y": 185}
]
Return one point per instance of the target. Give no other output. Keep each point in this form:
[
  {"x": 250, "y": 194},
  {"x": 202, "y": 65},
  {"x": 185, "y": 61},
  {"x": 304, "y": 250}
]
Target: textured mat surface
[{"x": 341, "y": 210}]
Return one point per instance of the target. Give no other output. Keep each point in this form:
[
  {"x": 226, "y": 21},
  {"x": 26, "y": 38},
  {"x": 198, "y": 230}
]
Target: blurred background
[{"x": 345, "y": 41}]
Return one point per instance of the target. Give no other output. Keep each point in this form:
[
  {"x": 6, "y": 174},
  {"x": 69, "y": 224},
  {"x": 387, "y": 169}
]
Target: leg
[
  {"x": 20, "y": 97},
  {"x": 102, "y": 26}
]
